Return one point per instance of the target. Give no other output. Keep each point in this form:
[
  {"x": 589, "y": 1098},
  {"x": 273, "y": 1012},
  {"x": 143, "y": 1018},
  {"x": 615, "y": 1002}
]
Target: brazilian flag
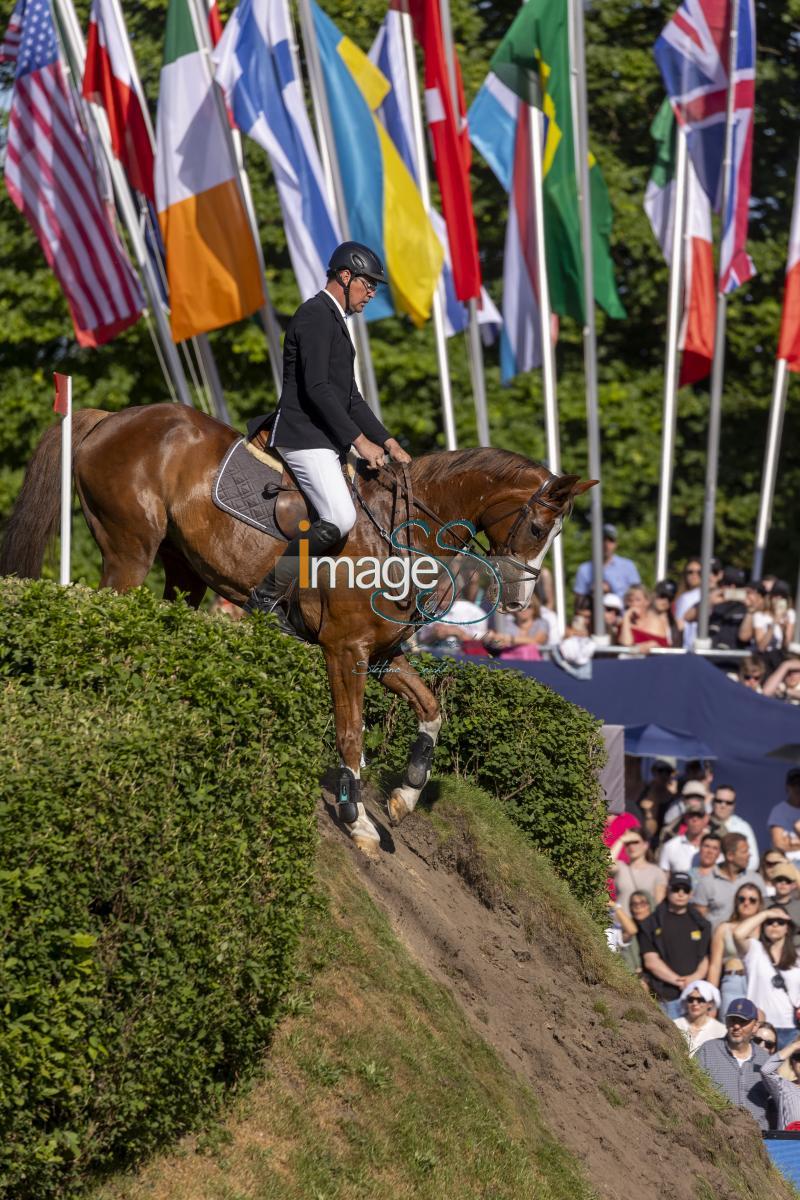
[{"x": 533, "y": 61}]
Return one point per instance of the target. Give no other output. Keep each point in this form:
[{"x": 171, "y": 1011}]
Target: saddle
[{"x": 290, "y": 503}]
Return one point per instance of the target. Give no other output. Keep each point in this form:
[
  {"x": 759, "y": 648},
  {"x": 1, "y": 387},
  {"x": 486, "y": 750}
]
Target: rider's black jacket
[{"x": 320, "y": 405}]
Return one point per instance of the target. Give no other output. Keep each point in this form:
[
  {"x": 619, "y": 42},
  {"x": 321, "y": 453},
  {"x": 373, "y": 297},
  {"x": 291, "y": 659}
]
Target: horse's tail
[{"x": 35, "y": 516}]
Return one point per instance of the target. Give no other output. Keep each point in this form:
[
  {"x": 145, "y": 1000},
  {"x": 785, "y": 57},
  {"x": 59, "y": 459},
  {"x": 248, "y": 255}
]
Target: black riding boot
[{"x": 273, "y": 594}]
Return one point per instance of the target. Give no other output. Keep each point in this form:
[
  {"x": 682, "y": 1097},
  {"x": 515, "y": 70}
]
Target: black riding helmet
[{"x": 359, "y": 260}]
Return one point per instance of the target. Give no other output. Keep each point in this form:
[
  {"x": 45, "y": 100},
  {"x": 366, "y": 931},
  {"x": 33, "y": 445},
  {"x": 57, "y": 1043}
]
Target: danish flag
[{"x": 693, "y": 55}]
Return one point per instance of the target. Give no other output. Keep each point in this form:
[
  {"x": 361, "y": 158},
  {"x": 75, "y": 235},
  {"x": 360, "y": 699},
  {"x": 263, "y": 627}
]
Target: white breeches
[{"x": 319, "y": 474}]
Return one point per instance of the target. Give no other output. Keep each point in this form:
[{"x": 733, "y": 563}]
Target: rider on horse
[{"x": 321, "y": 413}]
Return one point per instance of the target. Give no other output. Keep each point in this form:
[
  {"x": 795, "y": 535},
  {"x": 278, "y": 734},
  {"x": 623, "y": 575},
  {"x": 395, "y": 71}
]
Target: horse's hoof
[
  {"x": 364, "y": 835},
  {"x": 402, "y": 801}
]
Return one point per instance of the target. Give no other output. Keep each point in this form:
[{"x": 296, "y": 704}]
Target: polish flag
[
  {"x": 789, "y": 342},
  {"x": 110, "y": 81},
  {"x": 700, "y": 286}
]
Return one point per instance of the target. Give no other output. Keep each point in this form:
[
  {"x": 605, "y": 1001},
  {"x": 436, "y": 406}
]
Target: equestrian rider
[{"x": 321, "y": 413}]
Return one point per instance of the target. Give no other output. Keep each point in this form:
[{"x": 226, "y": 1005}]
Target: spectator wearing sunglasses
[
  {"x": 785, "y": 1092},
  {"x": 688, "y": 601},
  {"x": 698, "y": 1024},
  {"x": 785, "y": 880},
  {"x": 715, "y": 892},
  {"x": 766, "y": 943},
  {"x": 734, "y": 1063},
  {"x": 674, "y": 944},
  {"x": 639, "y": 873},
  {"x": 766, "y": 1037},
  {"x": 771, "y": 860},
  {"x": 784, "y": 820},
  {"x": 752, "y": 673},
  {"x": 784, "y": 683},
  {"x": 725, "y": 819},
  {"x": 725, "y": 968}
]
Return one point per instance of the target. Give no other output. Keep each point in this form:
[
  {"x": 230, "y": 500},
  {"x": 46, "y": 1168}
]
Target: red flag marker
[{"x": 62, "y": 401}]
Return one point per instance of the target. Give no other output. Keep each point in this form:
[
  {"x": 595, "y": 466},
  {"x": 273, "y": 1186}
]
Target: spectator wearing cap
[
  {"x": 785, "y": 880},
  {"x": 682, "y": 852},
  {"x": 649, "y": 629},
  {"x": 784, "y": 819},
  {"x": 707, "y": 856},
  {"x": 612, "y": 614},
  {"x": 687, "y": 604},
  {"x": 766, "y": 943},
  {"x": 674, "y": 944},
  {"x": 693, "y": 793},
  {"x": 734, "y": 1063},
  {"x": 784, "y": 683},
  {"x": 698, "y": 1023},
  {"x": 618, "y": 572},
  {"x": 716, "y": 891},
  {"x": 785, "y": 1092},
  {"x": 725, "y": 819}
]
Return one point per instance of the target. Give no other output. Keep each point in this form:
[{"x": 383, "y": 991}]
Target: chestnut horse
[{"x": 144, "y": 477}]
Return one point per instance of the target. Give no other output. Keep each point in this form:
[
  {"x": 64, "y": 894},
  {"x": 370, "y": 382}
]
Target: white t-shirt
[
  {"x": 778, "y": 1004},
  {"x": 785, "y": 815},
  {"x": 766, "y": 620},
  {"x": 695, "y": 1038},
  {"x": 678, "y": 854},
  {"x": 682, "y": 605},
  {"x": 469, "y": 616}
]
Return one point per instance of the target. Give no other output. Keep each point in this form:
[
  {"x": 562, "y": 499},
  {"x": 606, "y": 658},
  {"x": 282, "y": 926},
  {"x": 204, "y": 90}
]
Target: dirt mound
[{"x": 609, "y": 1071}]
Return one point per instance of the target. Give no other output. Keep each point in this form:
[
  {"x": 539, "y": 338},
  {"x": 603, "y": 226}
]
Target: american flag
[
  {"x": 50, "y": 178},
  {"x": 693, "y": 55}
]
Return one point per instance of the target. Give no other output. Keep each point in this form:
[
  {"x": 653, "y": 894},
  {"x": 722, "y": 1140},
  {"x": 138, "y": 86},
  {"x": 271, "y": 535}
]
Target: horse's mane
[{"x": 504, "y": 465}]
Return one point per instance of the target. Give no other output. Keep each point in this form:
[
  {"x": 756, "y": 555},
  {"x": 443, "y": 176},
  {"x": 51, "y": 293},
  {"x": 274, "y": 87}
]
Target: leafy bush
[
  {"x": 157, "y": 826},
  {"x": 521, "y": 742}
]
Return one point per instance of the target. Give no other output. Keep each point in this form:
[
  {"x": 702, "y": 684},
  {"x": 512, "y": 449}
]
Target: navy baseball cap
[{"x": 742, "y": 1007}]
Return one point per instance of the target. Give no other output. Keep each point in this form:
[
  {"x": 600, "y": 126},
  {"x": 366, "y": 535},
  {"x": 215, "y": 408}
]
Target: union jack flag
[{"x": 693, "y": 54}]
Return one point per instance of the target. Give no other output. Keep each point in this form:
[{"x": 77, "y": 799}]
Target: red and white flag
[
  {"x": 699, "y": 286},
  {"x": 789, "y": 341},
  {"x": 110, "y": 79},
  {"x": 63, "y": 397},
  {"x": 50, "y": 178},
  {"x": 451, "y": 148}
]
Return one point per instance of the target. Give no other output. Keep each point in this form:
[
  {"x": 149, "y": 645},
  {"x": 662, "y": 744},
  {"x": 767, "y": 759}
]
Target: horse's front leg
[
  {"x": 400, "y": 677},
  {"x": 347, "y": 676}
]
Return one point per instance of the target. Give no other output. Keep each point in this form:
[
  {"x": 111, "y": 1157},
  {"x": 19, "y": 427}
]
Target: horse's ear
[
  {"x": 560, "y": 487},
  {"x": 582, "y": 485}
]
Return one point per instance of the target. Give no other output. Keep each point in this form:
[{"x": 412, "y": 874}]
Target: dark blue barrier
[
  {"x": 686, "y": 692},
  {"x": 784, "y": 1150}
]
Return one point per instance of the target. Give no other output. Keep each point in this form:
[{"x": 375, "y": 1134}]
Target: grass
[{"x": 375, "y": 1087}]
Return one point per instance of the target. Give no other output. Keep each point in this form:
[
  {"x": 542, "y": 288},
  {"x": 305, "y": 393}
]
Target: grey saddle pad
[{"x": 247, "y": 489}]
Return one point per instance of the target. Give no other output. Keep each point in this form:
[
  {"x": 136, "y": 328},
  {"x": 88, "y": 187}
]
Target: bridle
[{"x": 537, "y": 499}]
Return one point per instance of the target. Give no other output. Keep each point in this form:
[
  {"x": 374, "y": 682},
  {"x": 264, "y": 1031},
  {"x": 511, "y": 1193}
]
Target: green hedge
[
  {"x": 521, "y": 742},
  {"x": 157, "y": 788}
]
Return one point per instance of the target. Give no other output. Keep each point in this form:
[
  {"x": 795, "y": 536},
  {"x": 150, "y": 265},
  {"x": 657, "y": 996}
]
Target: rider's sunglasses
[{"x": 370, "y": 284}]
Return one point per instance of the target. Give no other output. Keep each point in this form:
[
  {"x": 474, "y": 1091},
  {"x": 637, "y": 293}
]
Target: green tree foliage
[{"x": 624, "y": 93}]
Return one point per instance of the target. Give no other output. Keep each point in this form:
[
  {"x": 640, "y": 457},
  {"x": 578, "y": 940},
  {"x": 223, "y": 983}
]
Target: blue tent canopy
[{"x": 656, "y": 741}]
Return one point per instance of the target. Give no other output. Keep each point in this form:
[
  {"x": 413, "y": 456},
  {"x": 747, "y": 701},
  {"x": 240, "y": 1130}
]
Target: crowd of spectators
[
  {"x": 755, "y": 618},
  {"x": 710, "y": 926}
]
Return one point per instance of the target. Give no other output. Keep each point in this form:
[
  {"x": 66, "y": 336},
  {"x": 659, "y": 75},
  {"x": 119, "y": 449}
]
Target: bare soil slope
[{"x": 610, "y": 1072}]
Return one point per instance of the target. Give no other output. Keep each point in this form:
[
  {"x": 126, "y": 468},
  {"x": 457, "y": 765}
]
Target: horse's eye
[{"x": 537, "y": 531}]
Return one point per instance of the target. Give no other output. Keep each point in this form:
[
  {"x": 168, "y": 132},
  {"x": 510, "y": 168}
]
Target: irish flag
[
  {"x": 212, "y": 265},
  {"x": 789, "y": 343},
  {"x": 109, "y": 79}
]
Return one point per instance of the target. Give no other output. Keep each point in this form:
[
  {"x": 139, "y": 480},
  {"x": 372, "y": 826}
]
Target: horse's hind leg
[
  {"x": 179, "y": 577},
  {"x": 399, "y": 676},
  {"x": 128, "y": 540}
]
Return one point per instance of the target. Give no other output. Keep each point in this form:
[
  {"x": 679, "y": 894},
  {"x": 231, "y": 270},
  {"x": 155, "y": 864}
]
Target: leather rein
[{"x": 536, "y": 499}]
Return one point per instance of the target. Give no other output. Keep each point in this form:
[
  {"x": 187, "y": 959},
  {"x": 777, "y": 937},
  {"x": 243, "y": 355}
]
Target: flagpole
[
  {"x": 65, "y": 565},
  {"x": 474, "y": 344},
  {"x": 669, "y": 420},
  {"x": 769, "y": 473},
  {"x": 199, "y": 343},
  {"x": 581, "y": 126},
  {"x": 702, "y": 641},
  {"x": 76, "y": 53},
  {"x": 423, "y": 180},
  {"x": 333, "y": 179},
  {"x": 536, "y": 132},
  {"x": 266, "y": 312}
]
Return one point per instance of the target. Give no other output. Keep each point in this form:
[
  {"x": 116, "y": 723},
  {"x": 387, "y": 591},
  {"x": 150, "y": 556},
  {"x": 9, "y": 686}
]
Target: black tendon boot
[{"x": 273, "y": 594}]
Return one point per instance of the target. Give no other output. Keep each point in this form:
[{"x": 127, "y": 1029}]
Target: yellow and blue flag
[{"x": 384, "y": 207}]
